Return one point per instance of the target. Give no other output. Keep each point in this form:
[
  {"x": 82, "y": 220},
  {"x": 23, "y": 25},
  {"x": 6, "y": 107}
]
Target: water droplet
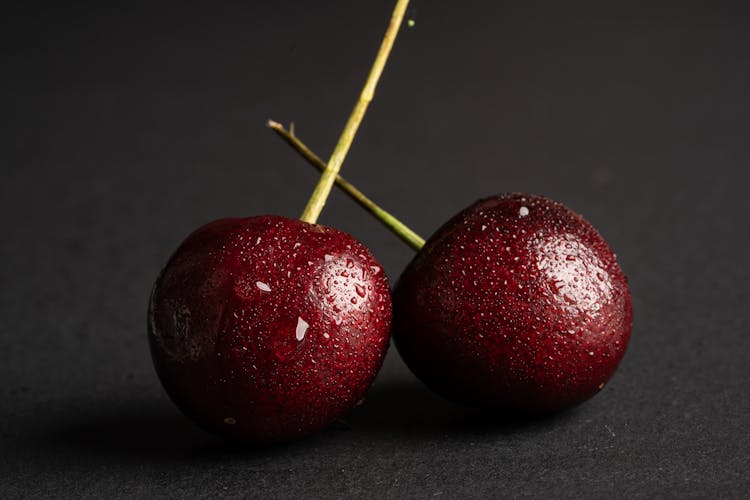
[
  {"x": 360, "y": 290},
  {"x": 263, "y": 286},
  {"x": 301, "y": 328},
  {"x": 523, "y": 211}
]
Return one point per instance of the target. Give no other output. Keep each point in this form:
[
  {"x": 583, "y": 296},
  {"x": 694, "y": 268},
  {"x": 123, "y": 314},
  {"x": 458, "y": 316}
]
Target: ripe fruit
[
  {"x": 515, "y": 303},
  {"x": 267, "y": 328}
]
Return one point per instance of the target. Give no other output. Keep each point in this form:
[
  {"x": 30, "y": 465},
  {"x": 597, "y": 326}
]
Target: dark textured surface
[{"x": 126, "y": 128}]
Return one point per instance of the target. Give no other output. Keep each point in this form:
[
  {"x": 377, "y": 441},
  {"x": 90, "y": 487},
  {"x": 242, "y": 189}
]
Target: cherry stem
[
  {"x": 323, "y": 188},
  {"x": 392, "y": 223}
]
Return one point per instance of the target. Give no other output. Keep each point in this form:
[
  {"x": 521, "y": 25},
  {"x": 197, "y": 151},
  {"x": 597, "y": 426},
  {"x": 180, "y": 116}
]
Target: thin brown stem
[
  {"x": 323, "y": 188},
  {"x": 396, "y": 226}
]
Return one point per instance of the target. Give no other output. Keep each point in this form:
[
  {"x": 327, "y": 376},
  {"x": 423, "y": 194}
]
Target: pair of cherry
[{"x": 268, "y": 329}]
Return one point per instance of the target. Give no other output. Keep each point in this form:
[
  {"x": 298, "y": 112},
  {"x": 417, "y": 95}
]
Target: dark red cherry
[
  {"x": 516, "y": 303},
  {"x": 267, "y": 328}
]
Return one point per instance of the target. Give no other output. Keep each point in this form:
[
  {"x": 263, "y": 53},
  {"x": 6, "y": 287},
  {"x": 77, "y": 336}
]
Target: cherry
[
  {"x": 268, "y": 328},
  {"x": 515, "y": 303}
]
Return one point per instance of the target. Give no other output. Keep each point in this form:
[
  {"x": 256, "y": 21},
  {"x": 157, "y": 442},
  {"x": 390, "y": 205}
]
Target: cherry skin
[
  {"x": 517, "y": 303},
  {"x": 267, "y": 328}
]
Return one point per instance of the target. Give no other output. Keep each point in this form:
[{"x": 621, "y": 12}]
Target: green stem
[
  {"x": 323, "y": 188},
  {"x": 396, "y": 226}
]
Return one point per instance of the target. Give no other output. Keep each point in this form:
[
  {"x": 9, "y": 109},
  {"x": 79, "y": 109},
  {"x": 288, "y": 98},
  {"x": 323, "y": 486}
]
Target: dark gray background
[{"x": 123, "y": 128}]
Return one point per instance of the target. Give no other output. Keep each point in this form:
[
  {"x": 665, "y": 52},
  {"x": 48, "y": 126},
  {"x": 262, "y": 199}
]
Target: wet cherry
[
  {"x": 516, "y": 303},
  {"x": 267, "y": 328}
]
